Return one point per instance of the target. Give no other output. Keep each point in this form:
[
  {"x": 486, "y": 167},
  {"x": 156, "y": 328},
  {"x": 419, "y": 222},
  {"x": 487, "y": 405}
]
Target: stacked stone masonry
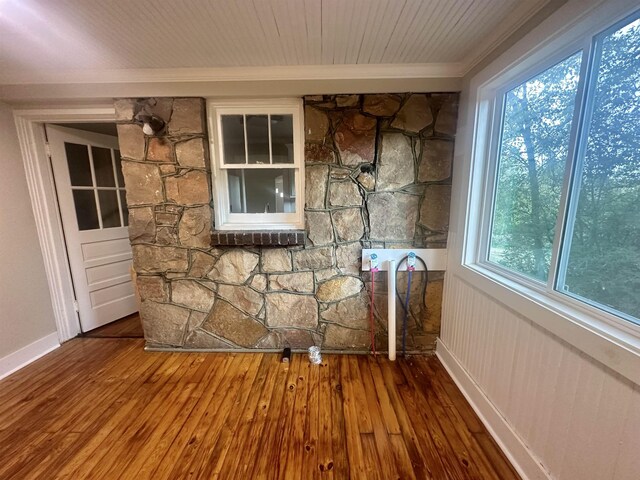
[{"x": 378, "y": 174}]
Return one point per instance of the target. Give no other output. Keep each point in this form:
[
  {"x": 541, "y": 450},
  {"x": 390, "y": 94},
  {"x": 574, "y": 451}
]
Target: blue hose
[{"x": 405, "y": 305}]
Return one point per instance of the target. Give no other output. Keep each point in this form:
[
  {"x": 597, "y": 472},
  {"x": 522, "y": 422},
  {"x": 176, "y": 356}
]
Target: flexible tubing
[
  {"x": 406, "y": 316},
  {"x": 373, "y": 334}
]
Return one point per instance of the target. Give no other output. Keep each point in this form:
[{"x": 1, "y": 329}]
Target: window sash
[
  {"x": 220, "y": 112},
  {"x": 258, "y": 166},
  {"x": 276, "y": 220},
  {"x": 565, "y": 220},
  {"x": 225, "y": 220},
  {"x": 575, "y": 186},
  {"x": 492, "y": 152}
]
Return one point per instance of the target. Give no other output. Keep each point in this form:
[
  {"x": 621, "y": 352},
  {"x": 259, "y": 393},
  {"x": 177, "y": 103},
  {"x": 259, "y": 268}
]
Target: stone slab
[{"x": 291, "y": 310}]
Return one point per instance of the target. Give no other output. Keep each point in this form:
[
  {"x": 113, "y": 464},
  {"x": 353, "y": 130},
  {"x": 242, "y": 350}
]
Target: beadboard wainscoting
[{"x": 556, "y": 412}]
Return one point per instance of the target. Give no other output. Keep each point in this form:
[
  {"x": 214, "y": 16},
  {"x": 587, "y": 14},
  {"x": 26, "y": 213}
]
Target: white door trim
[{"x": 30, "y": 126}]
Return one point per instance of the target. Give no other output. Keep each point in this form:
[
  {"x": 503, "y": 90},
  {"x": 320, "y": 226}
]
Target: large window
[
  {"x": 565, "y": 210},
  {"x": 257, "y": 165}
]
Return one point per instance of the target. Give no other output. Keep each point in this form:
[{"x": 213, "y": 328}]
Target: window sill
[{"x": 263, "y": 238}]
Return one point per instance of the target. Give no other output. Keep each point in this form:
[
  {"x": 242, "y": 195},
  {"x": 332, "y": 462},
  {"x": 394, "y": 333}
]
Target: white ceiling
[{"x": 42, "y": 39}]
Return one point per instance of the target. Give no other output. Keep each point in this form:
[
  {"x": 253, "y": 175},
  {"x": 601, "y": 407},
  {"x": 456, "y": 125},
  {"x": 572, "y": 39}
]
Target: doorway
[
  {"x": 127, "y": 327},
  {"x": 87, "y": 173}
]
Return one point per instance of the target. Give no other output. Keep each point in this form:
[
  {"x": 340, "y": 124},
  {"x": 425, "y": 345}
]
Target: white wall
[
  {"x": 578, "y": 419},
  {"x": 556, "y": 410},
  {"x": 26, "y": 315}
]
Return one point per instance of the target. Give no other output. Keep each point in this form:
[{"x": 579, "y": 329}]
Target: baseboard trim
[
  {"x": 520, "y": 456},
  {"x": 27, "y": 354}
]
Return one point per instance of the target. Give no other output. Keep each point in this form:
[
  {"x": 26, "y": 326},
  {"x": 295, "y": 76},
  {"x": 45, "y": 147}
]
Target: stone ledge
[{"x": 268, "y": 238}]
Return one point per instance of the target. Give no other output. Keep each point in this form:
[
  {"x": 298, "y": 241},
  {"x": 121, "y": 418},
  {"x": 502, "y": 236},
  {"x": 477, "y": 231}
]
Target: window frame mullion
[
  {"x": 572, "y": 174},
  {"x": 246, "y": 141},
  {"x": 270, "y": 140},
  {"x": 491, "y": 175},
  {"x": 115, "y": 179},
  {"x": 95, "y": 186}
]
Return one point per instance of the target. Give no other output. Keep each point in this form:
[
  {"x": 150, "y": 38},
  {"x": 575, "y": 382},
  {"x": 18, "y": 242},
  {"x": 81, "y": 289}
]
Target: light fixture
[
  {"x": 144, "y": 116},
  {"x": 151, "y": 124}
]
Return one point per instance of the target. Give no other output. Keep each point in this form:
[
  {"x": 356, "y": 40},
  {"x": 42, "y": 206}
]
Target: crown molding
[
  {"x": 239, "y": 74},
  {"x": 518, "y": 17},
  {"x": 46, "y": 88}
]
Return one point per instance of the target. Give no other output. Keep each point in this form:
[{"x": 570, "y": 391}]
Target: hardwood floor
[
  {"x": 104, "y": 408},
  {"x": 127, "y": 327}
]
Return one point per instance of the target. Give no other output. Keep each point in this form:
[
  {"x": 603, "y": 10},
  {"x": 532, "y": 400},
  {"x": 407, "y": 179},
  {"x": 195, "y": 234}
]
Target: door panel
[
  {"x": 103, "y": 273},
  {"x": 111, "y": 294},
  {"x": 98, "y": 251},
  {"x": 90, "y": 190}
]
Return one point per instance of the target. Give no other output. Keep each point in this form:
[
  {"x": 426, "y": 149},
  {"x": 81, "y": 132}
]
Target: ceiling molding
[
  {"x": 66, "y": 93},
  {"x": 231, "y": 82},
  {"x": 240, "y": 74},
  {"x": 517, "y": 18}
]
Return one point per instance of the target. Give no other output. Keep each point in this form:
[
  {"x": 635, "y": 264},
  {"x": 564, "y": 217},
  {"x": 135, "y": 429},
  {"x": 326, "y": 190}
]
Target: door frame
[{"x": 31, "y": 136}]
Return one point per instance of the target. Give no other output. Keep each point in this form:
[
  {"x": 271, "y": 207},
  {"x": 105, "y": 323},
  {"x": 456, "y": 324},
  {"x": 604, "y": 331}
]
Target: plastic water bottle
[{"x": 314, "y": 355}]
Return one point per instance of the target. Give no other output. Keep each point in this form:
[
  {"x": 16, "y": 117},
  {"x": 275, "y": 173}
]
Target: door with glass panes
[{"x": 90, "y": 187}]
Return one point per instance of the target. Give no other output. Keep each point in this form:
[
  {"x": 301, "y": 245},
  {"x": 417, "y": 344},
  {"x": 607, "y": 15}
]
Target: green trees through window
[
  {"x": 533, "y": 152},
  {"x": 599, "y": 260},
  {"x": 603, "y": 263}
]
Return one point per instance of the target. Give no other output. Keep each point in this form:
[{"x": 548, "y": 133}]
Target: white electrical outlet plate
[{"x": 435, "y": 258}]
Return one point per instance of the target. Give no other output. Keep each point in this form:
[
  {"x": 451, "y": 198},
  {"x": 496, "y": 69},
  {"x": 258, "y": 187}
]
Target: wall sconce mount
[
  {"x": 144, "y": 115},
  {"x": 151, "y": 124}
]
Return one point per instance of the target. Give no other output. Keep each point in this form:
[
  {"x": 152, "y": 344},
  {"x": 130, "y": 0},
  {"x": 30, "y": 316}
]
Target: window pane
[
  {"x": 269, "y": 190},
  {"x": 282, "y": 138},
  {"x": 233, "y": 139},
  {"x": 109, "y": 208},
  {"x": 604, "y": 254},
  {"x": 125, "y": 210},
  {"x": 103, "y": 167},
  {"x": 86, "y": 213},
  {"x": 119, "y": 168},
  {"x": 79, "y": 166},
  {"x": 258, "y": 138},
  {"x": 533, "y": 152}
]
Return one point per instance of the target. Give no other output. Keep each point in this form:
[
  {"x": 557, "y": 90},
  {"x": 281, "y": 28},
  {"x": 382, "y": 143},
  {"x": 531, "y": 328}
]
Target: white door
[{"x": 88, "y": 177}]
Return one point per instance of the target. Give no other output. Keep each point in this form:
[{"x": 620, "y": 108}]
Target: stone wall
[{"x": 378, "y": 174}]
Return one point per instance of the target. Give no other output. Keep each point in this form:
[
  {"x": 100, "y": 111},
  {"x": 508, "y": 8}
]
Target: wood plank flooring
[
  {"x": 104, "y": 408},
  {"x": 127, "y": 327}
]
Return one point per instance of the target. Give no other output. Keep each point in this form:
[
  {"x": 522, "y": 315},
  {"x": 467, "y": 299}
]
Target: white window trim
[
  {"x": 606, "y": 337},
  {"x": 224, "y": 220}
]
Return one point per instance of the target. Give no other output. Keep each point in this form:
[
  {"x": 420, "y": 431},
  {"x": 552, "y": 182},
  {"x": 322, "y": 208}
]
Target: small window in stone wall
[{"x": 257, "y": 157}]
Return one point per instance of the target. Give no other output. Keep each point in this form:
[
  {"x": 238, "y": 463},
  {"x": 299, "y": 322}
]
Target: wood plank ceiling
[{"x": 98, "y": 35}]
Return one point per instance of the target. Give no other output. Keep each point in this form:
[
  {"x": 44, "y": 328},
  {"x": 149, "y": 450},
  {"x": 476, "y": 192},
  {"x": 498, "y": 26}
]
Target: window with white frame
[
  {"x": 257, "y": 156},
  {"x": 563, "y": 200}
]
